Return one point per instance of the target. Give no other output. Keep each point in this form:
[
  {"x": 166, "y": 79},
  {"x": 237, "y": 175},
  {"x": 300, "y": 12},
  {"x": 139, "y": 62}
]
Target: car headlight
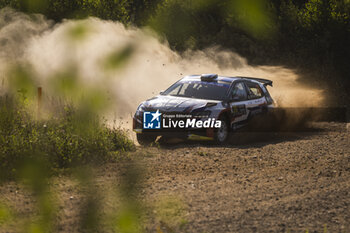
[{"x": 140, "y": 110}]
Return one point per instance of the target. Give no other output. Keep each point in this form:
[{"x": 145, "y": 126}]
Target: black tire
[
  {"x": 221, "y": 135},
  {"x": 145, "y": 140}
]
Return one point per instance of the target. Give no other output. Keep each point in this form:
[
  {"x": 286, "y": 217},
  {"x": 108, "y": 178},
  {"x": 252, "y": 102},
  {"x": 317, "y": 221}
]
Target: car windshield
[{"x": 199, "y": 90}]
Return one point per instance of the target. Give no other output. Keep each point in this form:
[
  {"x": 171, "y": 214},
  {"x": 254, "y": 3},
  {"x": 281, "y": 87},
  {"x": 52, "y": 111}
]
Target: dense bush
[
  {"x": 61, "y": 142},
  {"x": 126, "y": 11}
]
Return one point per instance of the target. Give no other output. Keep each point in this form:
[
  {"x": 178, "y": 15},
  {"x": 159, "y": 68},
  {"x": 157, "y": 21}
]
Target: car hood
[{"x": 176, "y": 104}]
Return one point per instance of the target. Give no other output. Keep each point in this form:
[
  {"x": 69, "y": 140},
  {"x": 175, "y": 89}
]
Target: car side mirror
[{"x": 161, "y": 92}]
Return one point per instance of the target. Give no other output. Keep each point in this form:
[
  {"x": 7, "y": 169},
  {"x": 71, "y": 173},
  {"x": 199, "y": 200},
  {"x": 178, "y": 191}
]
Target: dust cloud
[{"x": 52, "y": 48}]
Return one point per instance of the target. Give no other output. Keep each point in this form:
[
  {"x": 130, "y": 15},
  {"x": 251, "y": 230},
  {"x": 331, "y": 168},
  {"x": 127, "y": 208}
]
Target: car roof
[{"x": 219, "y": 78}]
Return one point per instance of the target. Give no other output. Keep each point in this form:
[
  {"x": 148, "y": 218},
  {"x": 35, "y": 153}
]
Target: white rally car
[{"x": 233, "y": 101}]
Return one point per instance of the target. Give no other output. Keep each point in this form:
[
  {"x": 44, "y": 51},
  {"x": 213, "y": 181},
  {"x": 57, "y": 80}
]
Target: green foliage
[
  {"x": 61, "y": 141},
  {"x": 253, "y": 16},
  {"x": 125, "y": 11},
  {"x": 199, "y": 23},
  {"x": 5, "y": 214},
  {"x": 118, "y": 59},
  {"x": 33, "y": 172},
  {"x": 130, "y": 210},
  {"x": 316, "y": 36},
  {"x": 173, "y": 19}
]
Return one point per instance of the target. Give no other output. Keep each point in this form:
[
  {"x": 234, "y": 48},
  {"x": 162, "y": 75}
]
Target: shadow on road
[{"x": 248, "y": 138}]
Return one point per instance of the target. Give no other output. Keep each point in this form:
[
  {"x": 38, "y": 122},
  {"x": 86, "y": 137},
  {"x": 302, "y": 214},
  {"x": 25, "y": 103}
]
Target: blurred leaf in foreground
[
  {"x": 78, "y": 32},
  {"x": 187, "y": 24},
  {"x": 171, "y": 212},
  {"x": 253, "y": 16},
  {"x": 34, "y": 6},
  {"x": 176, "y": 20},
  {"x": 34, "y": 174},
  {"x": 5, "y": 214},
  {"x": 119, "y": 58},
  {"x": 65, "y": 83},
  {"x": 129, "y": 215},
  {"x": 90, "y": 212},
  {"x": 22, "y": 82}
]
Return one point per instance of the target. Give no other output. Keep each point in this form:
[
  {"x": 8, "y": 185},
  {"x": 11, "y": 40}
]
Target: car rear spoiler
[{"x": 266, "y": 82}]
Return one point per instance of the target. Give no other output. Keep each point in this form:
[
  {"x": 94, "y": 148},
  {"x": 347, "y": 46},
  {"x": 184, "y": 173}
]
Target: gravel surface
[{"x": 259, "y": 182}]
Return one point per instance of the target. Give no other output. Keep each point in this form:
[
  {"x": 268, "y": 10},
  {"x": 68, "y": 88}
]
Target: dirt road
[
  {"x": 260, "y": 182},
  {"x": 268, "y": 182}
]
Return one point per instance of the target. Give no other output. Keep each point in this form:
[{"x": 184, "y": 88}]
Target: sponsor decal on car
[
  {"x": 158, "y": 120},
  {"x": 151, "y": 120}
]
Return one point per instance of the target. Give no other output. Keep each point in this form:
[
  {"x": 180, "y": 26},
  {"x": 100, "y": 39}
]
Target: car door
[
  {"x": 257, "y": 103},
  {"x": 238, "y": 104}
]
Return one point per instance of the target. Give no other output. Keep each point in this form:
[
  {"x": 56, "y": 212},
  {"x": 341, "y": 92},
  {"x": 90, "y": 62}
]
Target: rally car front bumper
[{"x": 189, "y": 134}]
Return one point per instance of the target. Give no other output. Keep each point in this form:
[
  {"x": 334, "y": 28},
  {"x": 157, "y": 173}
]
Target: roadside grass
[{"x": 70, "y": 138}]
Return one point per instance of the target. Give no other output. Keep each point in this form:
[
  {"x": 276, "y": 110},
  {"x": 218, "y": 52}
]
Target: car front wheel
[{"x": 221, "y": 134}]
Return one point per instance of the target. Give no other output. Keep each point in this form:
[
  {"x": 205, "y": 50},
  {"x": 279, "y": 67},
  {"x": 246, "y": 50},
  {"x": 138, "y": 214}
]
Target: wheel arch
[{"x": 225, "y": 114}]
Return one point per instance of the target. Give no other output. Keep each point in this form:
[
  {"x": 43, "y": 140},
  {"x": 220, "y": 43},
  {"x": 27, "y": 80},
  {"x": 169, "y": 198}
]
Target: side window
[
  {"x": 239, "y": 92},
  {"x": 254, "y": 91}
]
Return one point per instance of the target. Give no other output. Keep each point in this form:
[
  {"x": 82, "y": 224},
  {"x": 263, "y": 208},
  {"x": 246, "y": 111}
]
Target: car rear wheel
[
  {"x": 221, "y": 134},
  {"x": 145, "y": 140}
]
